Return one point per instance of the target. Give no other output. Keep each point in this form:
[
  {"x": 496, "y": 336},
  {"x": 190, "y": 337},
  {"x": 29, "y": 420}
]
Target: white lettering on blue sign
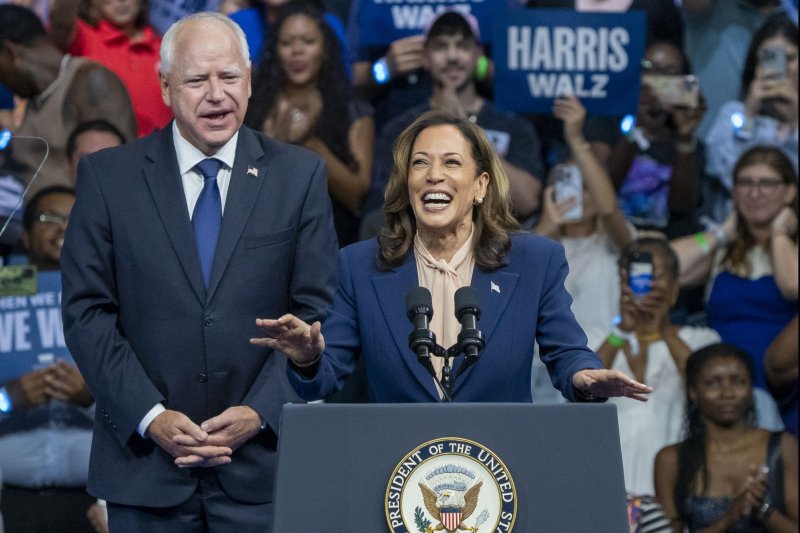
[
  {"x": 15, "y": 331},
  {"x": 550, "y": 85},
  {"x": 407, "y": 17},
  {"x": 567, "y": 49}
]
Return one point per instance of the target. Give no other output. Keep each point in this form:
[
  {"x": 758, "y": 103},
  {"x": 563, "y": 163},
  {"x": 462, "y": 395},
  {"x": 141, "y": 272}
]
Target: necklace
[{"x": 649, "y": 337}]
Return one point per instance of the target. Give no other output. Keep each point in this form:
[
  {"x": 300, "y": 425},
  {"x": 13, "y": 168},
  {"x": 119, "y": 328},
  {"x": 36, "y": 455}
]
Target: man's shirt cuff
[{"x": 149, "y": 417}]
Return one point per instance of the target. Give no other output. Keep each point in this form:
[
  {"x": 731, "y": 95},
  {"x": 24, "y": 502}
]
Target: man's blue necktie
[{"x": 207, "y": 216}]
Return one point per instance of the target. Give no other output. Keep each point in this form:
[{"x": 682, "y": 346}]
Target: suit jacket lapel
[
  {"x": 164, "y": 181},
  {"x": 243, "y": 191},
  {"x": 390, "y": 290},
  {"x": 494, "y": 292}
]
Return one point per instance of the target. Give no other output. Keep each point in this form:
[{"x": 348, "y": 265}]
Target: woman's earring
[{"x": 477, "y": 201}]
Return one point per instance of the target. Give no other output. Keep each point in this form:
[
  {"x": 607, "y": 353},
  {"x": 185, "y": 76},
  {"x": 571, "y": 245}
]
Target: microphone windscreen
[
  {"x": 466, "y": 298},
  {"x": 417, "y": 298}
]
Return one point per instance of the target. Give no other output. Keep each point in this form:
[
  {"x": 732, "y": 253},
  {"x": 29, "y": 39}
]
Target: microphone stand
[
  {"x": 467, "y": 339},
  {"x": 422, "y": 340},
  {"x": 448, "y": 380}
]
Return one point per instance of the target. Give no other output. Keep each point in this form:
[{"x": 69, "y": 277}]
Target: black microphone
[
  {"x": 468, "y": 312},
  {"x": 421, "y": 340}
]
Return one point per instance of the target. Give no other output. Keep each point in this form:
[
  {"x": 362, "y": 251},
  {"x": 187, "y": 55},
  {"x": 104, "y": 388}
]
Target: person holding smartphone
[
  {"x": 647, "y": 346},
  {"x": 580, "y": 209},
  {"x": 767, "y": 112},
  {"x": 655, "y": 162}
]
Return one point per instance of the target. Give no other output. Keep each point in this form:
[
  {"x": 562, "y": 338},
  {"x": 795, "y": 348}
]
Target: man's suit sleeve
[
  {"x": 562, "y": 342},
  {"x": 90, "y": 308},
  {"x": 311, "y": 288}
]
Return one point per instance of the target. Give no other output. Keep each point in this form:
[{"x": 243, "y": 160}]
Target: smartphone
[
  {"x": 681, "y": 91},
  {"x": 772, "y": 61},
  {"x": 568, "y": 183},
  {"x": 640, "y": 273}
]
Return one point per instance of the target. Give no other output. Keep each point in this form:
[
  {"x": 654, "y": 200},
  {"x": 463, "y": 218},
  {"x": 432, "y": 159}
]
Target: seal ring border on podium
[{"x": 459, "y": 454}]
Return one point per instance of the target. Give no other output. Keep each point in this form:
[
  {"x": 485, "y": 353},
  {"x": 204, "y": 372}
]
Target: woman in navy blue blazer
[{"x": 449, "y": 225}]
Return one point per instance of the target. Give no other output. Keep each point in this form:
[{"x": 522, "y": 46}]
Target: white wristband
[
  {"x": 721, "y": 236},
  {"x": 629, "y": 336},
  {"x": 624, "y": 335}
]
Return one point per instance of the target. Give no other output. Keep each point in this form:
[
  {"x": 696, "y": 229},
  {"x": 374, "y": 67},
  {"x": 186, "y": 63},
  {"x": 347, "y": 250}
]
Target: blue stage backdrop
[
  {"x": 31, "y": 332},
  {"x": 543, "y": 53}
]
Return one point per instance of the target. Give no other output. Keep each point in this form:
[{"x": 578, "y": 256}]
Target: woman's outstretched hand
[
  {"x": 290, "y": 335},
  {"x": 605, "y": 383}
]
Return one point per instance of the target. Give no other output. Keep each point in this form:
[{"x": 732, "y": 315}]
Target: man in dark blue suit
[{"x": 176, "y": 243}]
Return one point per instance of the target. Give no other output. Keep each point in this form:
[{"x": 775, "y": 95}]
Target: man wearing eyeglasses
[{"x": 46, "y": 420}]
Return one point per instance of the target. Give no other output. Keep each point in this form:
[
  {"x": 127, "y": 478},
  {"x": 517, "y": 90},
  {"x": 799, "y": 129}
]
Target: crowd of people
[{"x": 428, "y": 183}]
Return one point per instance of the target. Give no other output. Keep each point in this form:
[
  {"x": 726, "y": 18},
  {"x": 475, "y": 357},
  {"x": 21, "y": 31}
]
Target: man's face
[
  {"x": 45, "y": 238},
  {"x": 208, "y": 85},
  {"x": 451, "y": 60}
]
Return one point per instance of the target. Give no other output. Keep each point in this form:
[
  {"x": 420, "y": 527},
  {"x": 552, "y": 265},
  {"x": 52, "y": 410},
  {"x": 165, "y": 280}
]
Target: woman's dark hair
[
  {"x": 692, "y": 451},
  {"x": 493, "y": 218},
  {"x": 142, "y": 18},
  {"x": 333, "y": 124},
  {"x": 735, "y": 258},
  {"x": 686, "y": 69},
  {"x": 686, "y": 64},
  {"x": 777, "y": 25}
]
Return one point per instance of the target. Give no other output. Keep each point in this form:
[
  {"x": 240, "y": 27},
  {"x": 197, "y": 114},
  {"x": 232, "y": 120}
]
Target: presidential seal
[{"x": 451, "y": 484}]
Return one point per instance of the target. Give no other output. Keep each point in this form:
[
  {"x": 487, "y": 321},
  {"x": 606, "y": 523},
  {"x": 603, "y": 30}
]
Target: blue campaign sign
[
  {"x": 543, "y": 53},
  {"x": 380, "y": 22},
  {"x": 31, "y": 332}
]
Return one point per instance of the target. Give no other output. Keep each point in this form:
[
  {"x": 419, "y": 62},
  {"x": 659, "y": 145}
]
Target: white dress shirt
[{"x": 188, "y": 156}]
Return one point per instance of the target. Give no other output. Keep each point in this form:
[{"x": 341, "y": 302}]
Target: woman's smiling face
[{"x": 443, "y": 181}]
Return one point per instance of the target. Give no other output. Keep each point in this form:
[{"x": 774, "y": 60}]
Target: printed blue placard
[
  {"x": 543, "y": 53},
  {"x": 31, "y": 331},
  {"x": 380, "y": 22}
]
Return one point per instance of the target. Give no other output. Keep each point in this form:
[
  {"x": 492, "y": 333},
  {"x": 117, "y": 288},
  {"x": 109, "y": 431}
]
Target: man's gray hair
[{"x": 167, "y": 50}]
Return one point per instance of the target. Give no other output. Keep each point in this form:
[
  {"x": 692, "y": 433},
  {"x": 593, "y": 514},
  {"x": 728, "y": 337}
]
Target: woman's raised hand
[{"x": 299, "y": 341}]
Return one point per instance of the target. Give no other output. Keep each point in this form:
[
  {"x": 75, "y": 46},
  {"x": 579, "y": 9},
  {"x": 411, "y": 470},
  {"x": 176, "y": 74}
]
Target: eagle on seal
[{"x": 451, "y": 501}]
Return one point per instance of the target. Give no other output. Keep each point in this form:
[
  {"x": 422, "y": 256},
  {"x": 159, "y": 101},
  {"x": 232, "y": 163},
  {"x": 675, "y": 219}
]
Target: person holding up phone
[
  {"x": 766, "y": 114},
  {"x": 645, "y": 345},
  {"x": 655, "y": 165},
  {"x": 580, "y": 209}
]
